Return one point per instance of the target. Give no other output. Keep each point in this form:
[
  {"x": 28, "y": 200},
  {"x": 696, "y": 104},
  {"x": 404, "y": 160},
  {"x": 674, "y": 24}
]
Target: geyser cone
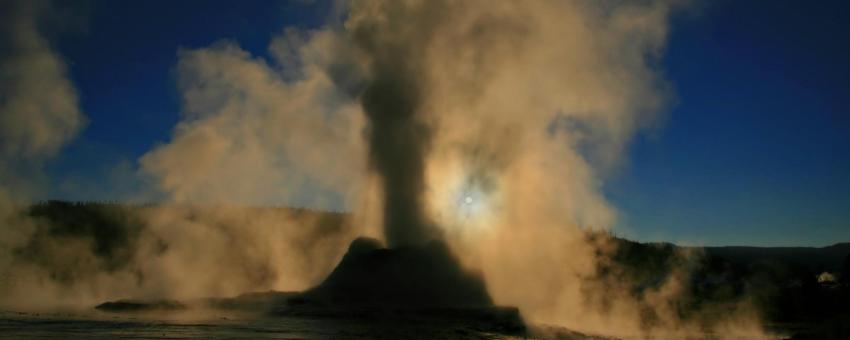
[
  {"x": 424, "y": 276},
  {"x": 423, "y": 284}
]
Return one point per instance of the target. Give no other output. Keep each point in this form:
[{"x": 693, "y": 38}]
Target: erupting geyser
[{"x": 418, "y": 271}]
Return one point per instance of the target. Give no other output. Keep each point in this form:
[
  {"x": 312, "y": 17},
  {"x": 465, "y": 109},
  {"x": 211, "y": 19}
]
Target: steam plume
[
  {"x": 275, "y": 134},
  {"x": 393, "y": 101},
  {"x": 527, "y": 107},
  {"x": 39, "y": 114}
]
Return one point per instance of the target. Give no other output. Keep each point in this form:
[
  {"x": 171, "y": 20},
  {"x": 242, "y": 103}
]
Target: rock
[
  {"x": 140, "y": 306},
  {"x": 426, "y": 276}
]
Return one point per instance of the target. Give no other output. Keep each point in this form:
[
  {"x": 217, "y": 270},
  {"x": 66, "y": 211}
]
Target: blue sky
[{"x": 755, "y": 150}]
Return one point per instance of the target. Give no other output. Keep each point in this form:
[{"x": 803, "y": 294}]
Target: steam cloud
[
  {"x": 477, "y": 86},
  {"x": 521, "y": 109},
  {"x": 244, "y": 139},
  {"x": 490, "y": 124},
  {"x": 39, "y": 113},
  {"x": 399, "y": 138},
  {"x": 276, "y": 132},
  {"x": 32, "y": 128}
]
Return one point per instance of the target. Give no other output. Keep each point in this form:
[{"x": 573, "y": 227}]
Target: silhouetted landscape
[
  {"x": 802, "y": 291},
  {"x": 424, "y": 169}
]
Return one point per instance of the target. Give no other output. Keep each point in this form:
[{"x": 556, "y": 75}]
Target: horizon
[{"x": 612, "y": 233}]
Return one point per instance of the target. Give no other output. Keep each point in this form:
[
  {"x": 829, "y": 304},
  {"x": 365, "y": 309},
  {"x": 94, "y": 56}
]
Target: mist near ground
[{"x": 787, "y": 287}]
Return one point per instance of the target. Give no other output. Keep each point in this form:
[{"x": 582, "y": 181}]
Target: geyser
[
  {"x": 418, "y": 270},
  {"x": 392, "y": 101}
]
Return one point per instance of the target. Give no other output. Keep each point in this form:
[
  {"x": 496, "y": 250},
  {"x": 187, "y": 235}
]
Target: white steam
[
  {"x": 39, "y": 113},
  {"x": 255, "y": 133}
]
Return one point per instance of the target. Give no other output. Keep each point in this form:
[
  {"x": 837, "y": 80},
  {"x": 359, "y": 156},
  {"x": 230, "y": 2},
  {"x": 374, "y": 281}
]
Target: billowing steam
[
  {"x": 254, "y": 133},
  {"x": 491, "y": 124},
  {"x": 516, "y": 113},
  {"x": 495, "y": 92},
  {"x": 39, "y": 113},
  {"x": 38, "y": 107},
  {"x": 260, "y": 133},
  {"x": 398, "y": 137}
]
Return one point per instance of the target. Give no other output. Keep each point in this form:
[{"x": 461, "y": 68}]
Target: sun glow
[
  {"x": 471, "y": 202},
  {"x": 463, "y": 200}
]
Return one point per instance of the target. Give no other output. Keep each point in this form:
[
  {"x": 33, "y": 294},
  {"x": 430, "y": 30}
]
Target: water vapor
[
  {"x": 254, "y": 134},
  {"x": 518, "y": 112},
  {"x": 39, "y": 114},
  {"x": 39, "y": 109}
]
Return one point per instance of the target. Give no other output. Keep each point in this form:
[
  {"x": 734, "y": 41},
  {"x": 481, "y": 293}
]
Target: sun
[{"x": 463, "y": 198}]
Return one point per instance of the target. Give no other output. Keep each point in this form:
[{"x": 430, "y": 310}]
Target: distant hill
[
  {"x": 829, "y": 259},
  {"x": 113, "y": 228},
  {"x": 112, "y": 232}
]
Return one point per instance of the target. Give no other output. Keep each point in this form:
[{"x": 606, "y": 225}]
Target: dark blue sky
[{"x": 755, "y": 151}]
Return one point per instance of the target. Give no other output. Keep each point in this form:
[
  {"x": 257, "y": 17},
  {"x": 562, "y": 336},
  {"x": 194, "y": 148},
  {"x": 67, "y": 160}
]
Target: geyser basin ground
[{"x": 392, "y": 289}]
